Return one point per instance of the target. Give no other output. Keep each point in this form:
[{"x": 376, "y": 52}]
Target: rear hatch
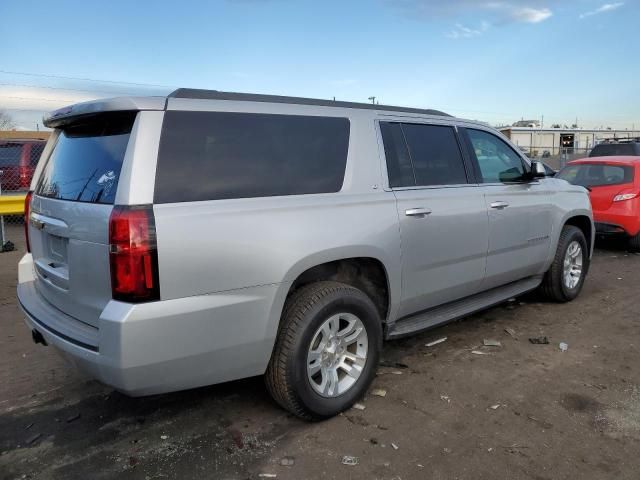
[
  {"x": 70, "y": 209},
  {"x": 604, "y": 180}
]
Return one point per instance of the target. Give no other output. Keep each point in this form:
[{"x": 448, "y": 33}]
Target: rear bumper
[
  {"x": 168, "y": 345},
  {"x": 610, "y": 229},
  {"x": 620, "y": 216}
]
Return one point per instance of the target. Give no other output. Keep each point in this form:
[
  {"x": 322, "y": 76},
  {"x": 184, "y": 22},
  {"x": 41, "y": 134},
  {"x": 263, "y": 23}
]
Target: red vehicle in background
[
  {"x": 614, "y": 185},
  {"x": 18, "y": 160}
]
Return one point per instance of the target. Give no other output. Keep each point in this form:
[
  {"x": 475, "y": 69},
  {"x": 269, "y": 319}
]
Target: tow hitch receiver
[{"x": 38, "y": 338}]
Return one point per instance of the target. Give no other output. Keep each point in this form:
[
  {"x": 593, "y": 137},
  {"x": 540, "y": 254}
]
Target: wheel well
[
  {"x": 366, "y": 274},
  {"x": 583, "y": 223}
]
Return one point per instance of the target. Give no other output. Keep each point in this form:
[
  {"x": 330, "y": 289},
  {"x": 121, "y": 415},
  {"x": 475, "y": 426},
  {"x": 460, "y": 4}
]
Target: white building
[{"x": 553, "y": 140}]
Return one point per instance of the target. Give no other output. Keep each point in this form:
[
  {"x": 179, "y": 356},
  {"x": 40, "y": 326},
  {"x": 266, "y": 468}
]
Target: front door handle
[
  {"x": 417, "y": 212},
  {"x": 499, "y": 205}
]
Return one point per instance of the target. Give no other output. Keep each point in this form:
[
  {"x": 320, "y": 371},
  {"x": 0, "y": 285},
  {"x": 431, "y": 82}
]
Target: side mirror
[{"x": 538, "y": 170}]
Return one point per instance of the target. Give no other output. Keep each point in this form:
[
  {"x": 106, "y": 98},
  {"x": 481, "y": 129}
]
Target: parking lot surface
[{"x": 517, "y": 411}]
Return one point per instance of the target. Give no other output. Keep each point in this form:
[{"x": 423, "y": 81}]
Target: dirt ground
[{"x": 519, "y": 411}]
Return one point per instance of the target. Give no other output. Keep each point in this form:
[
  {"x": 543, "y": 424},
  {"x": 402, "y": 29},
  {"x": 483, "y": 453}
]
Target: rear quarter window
[{"x": 220, "y": 155}]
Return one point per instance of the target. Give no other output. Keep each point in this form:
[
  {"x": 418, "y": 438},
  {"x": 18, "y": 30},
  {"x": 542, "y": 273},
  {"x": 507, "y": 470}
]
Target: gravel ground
[{"x": 518, "y": 411}]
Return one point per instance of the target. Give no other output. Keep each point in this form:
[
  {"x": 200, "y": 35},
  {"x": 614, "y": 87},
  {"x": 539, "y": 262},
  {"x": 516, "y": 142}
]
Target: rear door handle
[
  {"x": 499, "y": 205},
  {"x": 417, "y": 212}
]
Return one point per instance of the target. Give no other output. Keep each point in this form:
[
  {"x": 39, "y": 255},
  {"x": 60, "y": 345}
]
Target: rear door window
[
  {"x": 435, "y": 154},
  {"x": 85, "y": 163},
  {"x": 422, "y": 155},
  {"x": 220, "y": 155}
]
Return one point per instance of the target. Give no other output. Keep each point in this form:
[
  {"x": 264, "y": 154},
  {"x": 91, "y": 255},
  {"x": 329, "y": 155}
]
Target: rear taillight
[
  {"x": 622, "y": 196},
  {"x": 133, "y": 254},
  {"x": 27, "y": 212},
  {"x": 25, "y": 174}
]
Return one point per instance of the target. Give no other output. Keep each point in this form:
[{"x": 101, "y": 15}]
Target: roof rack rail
[
  {"x": 621, "y": 140},
  {"x": 199, "y": 94}
]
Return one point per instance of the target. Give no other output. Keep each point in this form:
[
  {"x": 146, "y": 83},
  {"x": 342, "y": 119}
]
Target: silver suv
[{"x": 208, "y": 236}]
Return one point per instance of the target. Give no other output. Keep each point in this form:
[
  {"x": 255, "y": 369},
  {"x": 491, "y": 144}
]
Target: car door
[
  {"x": 443, "y": 217},
  {"x": 519, "y": 209}
]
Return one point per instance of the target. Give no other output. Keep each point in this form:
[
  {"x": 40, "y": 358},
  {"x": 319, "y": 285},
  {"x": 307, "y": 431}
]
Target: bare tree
[{"x": 6, "y": 122}]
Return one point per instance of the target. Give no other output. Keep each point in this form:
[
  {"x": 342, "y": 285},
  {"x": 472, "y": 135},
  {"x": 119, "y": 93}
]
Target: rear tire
[
  {"x": 634, "y": 243},
  {"x": 339, "y": 325},
  {"x": 565, "y": 278}
]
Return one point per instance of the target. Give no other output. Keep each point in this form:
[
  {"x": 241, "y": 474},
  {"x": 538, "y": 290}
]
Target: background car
[
  {"x": 617, "y": 147},
  {"x": 18, "y": 160},
  {"x": 614, "y": 184}
]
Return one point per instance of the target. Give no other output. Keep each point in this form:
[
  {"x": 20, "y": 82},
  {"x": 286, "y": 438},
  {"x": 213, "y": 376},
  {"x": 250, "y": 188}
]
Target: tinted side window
[
  {"x": 498, "y": 162},
  {"x": 218, "y": 155},
  {"x": 435, "y": 154},
  {"x": 399, "y": 166}
]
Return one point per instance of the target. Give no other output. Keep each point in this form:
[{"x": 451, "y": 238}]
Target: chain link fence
[
  {"x": 556, "y": 157},
  {"x": 18, "y": 160}
]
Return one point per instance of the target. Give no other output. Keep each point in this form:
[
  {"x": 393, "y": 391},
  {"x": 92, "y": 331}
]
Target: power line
[
  {"x": 58, "y": 88},
  {"x": 43, "y": 75},
  {"x": 41, "y": 98}
]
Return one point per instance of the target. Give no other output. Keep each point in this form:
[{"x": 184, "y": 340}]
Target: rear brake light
[
  {"x": 27, "y": 212},
  {"x": 621, "y": 197},
  {"x": 133, "y": 254},
  {"x": 25, "y": 176}
]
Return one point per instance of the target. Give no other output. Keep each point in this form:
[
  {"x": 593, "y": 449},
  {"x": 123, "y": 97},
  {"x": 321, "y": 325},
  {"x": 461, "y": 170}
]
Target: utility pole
[{"x": 373, "y": 100}]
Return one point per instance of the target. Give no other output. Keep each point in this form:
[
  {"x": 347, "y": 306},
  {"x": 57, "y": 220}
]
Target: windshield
[
  {"x": 596, "y": 174},
  {"x": 85, "y": 163}
]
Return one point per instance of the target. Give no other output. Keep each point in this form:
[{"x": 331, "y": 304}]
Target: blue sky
[{"x": 496, "y": 61}]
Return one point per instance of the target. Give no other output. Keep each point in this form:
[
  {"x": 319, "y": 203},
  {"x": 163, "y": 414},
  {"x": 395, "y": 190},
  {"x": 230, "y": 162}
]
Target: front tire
[
  {"x": 326, "y": 352},
  {"x": 565, "y": 278},
  {"x": 634, "y": 243}
]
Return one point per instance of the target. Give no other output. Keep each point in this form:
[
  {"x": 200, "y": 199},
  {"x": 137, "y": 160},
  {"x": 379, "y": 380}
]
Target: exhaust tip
[{"x": 38, "y": 338}]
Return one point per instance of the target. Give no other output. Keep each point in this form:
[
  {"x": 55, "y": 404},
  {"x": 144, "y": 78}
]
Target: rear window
[
  {"x": 612, "y": 149},
  {"x": 596, "y": 174},
  {"x": 85, "y": 163},
  {"x": 217, "y": 155},
  {"x": 10, "y": 154}
]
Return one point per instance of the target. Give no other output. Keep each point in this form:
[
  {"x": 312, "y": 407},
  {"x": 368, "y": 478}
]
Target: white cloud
[
  {"x": 462, "y": 31},
  {"x": 607, "y": 7},
  {"x": 530, "y": 15},
  {"x": 499, "y": 11},
  {"x": 495, "y": 12},
  {"x": 518, "y": 12}
]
